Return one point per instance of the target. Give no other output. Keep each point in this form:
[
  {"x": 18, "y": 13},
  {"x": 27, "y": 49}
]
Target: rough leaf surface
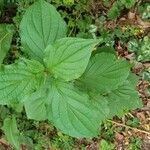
[
  {"x": 123, "y": 99},
  {"x": 68, "y": 57},
  {"x": 72, "y": 112},
  {"x": 5, "y": 40},
  {"x": 41, "y": 25},
  {"x": 18, "y": 80},
  {"x": 35, "y": 105},
  {"x": 105, "y": 72}
]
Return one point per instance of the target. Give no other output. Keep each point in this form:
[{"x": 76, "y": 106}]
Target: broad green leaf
[
  {"x": 133, "y": 79},
  {"x": 35, "y": 105},
  {"x": 105, "y": 73},
  {"x": 11, "y": 132},
  {"x": 19, "y": 79},
  {"x": 123, "y": 99},
  {"x": 99, "y": 102},
  {"x": 68, "y": 57},
  {"x": 72, "y": 112},
  {"x": 41, "y": 25},
  {"x": 6, "y": 34}
]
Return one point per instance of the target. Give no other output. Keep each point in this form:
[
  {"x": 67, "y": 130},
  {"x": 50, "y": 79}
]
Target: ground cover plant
[{"x": 72, "y": 83}]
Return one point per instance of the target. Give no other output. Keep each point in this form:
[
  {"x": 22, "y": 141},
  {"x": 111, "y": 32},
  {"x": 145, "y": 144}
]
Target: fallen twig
[{"x": 132, "y": 128}]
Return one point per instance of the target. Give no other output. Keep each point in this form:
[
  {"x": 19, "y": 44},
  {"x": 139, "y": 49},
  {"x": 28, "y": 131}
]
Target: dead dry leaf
[{"x": 143, "y": 24}]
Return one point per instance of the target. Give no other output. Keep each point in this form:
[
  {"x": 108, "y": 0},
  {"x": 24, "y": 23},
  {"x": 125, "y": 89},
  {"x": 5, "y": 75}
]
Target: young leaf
[
  {"x": 72, "y": 112},
  {"x": 123, "y": 99},
  {"x": 105, "y": 72},
  {"x": 41, "y": 25},
  {"x": 5, "y": 40},
  {"x": 18, "y": 80},
  {"x": 67, "y": 58},
  {"x": 11, "y": 132}
]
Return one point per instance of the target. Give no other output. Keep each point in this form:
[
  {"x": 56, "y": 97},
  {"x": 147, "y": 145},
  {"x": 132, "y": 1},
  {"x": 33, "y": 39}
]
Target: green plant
[
  {"x": 1, "y": 5},
  {"x": 62, "y": 80},
  {"x": 104, "y": 145},
  {"x": 118, "y": 6},
  {"x": 6, "y": 33},
  {"x": 141, "y": 48},
  {"x": 144, "y": 11},
  {"x": 62, "y": 142},
  {"x": 134, "y": 122},
  {"x": 13, "y": 135},
  {"x": 136, "y": 143}
]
